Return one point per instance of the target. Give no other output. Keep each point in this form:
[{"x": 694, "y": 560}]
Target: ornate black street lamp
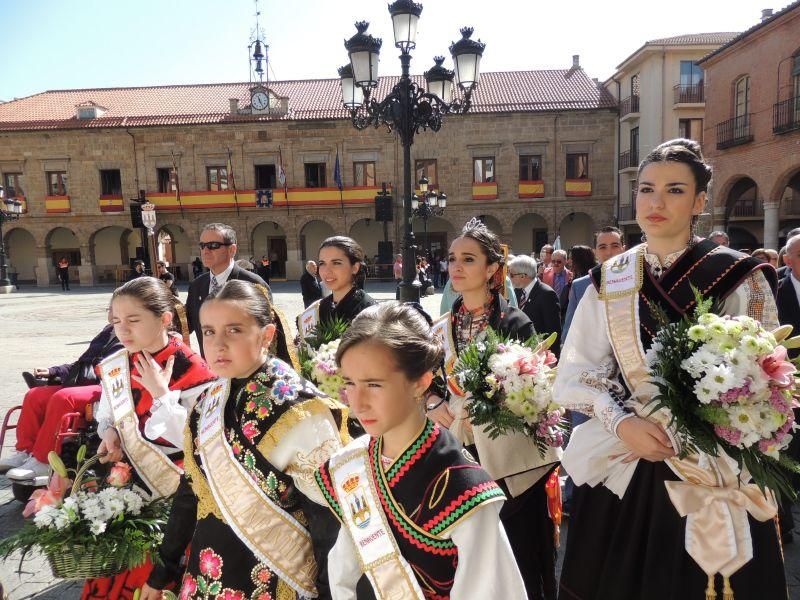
[
  {"x": 407, "y": 109},
  {"x": 10, "y": 210},
  {"x": 428, "y": 204}
]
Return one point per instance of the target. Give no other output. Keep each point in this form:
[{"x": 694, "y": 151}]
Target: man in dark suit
[
  {"x": 789, "y": 314},
  {"x": 217, "y": 250},
  {"x": 309, "y": 284},
  {"x": 536, "y": 299}
]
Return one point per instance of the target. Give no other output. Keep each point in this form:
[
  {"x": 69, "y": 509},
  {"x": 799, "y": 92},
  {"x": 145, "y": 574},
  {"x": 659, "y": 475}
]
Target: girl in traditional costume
[
  {"x": 530, "y": 516},
  {"x": 148, "y": 388},
  {"x": 627, "y": 541},
  {"x": 419, "y": 516},
  {"x": 249, "y": 503}
]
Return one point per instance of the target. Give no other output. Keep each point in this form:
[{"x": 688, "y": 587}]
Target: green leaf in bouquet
[
  {"x": 326, "y": 331},
  {"x": 81, "y": 454}
]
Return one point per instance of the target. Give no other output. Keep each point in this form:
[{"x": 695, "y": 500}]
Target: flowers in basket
[
  {"x": 726, "y": 383},
  {"x": 318, "y": 357},
  {"x": 93, "y": 528},
  {"x": 510, "y": 384}
]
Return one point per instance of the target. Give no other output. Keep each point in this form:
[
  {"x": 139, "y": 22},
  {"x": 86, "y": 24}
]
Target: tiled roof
[
  {"x": 736, "y": 39},
  {"x": 313, "y": 99},
  {"x": 695, "y": 39},
  {"x": 687, "y": 39}
]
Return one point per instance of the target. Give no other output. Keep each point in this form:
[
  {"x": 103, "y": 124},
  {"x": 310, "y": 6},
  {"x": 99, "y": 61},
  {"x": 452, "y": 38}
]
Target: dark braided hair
[{"x": 683, "y": 151}]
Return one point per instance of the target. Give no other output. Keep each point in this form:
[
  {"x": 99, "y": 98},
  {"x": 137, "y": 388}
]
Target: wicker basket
[{"x": 80, "y": 562}]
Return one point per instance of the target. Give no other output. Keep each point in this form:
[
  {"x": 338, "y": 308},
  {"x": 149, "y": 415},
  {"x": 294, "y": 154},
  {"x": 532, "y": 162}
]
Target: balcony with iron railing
[
  {"x": 790, "y": 207},
  {"x": 786, "y": 115},
  {"x": 689, "y": 94},
  {"x": 629, "y": 159},
  {"x": 627, "y": 213},
  {"x": 734, "y": 132},
  {"x": 629, "y": 106},
  {"x": 747, "y": 209}
]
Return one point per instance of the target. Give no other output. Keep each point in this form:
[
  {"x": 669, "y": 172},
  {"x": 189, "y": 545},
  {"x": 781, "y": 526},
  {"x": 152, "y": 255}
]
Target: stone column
[
  {"x": 771, "y": 225},
  {"x": 87, "y": 272},
  {"x": 45, "y": 272},
  {"x": 294, "y": 261}
]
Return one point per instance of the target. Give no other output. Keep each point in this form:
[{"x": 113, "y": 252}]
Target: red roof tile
[
  {"x": 695, "y": 39},
  {"x": 313, "y": 99}
]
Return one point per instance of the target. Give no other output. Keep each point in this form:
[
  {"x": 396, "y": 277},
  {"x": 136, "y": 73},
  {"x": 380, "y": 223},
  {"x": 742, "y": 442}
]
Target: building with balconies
[
  {"x": 534, "y": 158},
  {"x": 752, "y": 130},
  {"x": 660, "y": 90}
]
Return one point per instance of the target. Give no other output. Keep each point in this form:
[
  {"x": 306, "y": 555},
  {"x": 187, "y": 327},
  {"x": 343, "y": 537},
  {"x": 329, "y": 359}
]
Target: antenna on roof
[{"x": 257, "y": 52}]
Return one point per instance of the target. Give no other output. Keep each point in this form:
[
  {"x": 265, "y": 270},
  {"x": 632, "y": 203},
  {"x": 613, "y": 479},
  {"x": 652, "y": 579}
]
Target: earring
[
  {"x": 644, "y": 237},
  {"x": 693, "y": 230}
]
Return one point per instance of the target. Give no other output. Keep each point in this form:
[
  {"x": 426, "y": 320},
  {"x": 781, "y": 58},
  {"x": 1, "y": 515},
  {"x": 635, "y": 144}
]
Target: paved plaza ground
[{"x": 43, "y": 327}]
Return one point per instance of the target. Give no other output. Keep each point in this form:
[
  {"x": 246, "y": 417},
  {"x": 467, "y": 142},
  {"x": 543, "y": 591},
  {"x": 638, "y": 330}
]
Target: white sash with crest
[
  {"x": 274, "y": 536},
  {"x": 308, "y": 319},
  {"x": 441, "y": 329},
  {"x": 157, "y": 471},
  {"x": 391, "y": 576}
]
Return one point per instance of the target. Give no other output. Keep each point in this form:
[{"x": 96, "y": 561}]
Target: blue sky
[{"x": 61, "y": 44}]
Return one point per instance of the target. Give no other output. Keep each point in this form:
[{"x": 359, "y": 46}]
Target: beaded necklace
[{"x": 470, "y": 323}]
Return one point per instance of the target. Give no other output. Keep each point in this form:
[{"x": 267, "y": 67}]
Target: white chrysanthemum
[
  {"x": 749, "y": 345},
  {"x": 707, "y": 319},
  {"x": 698, "y": 333},
  {"x": 97, "y": 527},
  {"x": 45, "y": 517},
  {"x": 704, "y": 393}
]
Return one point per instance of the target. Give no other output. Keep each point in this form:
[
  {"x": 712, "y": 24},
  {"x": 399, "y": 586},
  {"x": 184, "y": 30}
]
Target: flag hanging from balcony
[
  {"x": 231, "y": 180},
  {"x": 337, "y": 172},
  {"x": 337, "y": 177},
  {"x": 282, "y": 177},
  {"x": 175, "y": 182}
]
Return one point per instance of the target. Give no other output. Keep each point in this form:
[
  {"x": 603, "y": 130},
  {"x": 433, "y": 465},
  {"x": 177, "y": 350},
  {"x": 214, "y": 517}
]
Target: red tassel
[{"x": 553, "y": 490}]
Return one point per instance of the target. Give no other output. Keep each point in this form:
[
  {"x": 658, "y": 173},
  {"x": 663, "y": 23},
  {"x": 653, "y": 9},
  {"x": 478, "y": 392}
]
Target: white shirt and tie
[
  {"x": 217, "y": 281},
  {"x": 526, "y": 292}
]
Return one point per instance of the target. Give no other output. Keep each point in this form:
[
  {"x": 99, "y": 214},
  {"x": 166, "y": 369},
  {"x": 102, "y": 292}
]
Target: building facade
[
  {"x": 752, "y": 130},
  {"x": 661, "y": 94},
  {"x": 534, "y": 158}
]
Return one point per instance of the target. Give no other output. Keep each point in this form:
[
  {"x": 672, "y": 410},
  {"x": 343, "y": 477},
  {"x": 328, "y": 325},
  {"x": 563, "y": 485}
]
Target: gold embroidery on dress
[
  {"x": 304, "y": 465},
  {"x": 206, "y": 505},
  {"x": 284, "y": 592},
  {"x": 287, "y": 421}
]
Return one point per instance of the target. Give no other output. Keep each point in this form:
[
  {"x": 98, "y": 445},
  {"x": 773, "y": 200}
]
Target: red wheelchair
[{"x": 75, "y": 429}]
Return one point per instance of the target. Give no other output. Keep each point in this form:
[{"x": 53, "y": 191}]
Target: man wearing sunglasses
[{"x": 217, "y": 251}]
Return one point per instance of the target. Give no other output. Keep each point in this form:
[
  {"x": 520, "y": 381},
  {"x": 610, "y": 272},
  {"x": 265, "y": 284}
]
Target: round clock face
[{"x": 259, "y": 100}]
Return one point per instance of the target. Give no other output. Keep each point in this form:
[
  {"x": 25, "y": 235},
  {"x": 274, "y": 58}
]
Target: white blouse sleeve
[
  {"x": 302, "y": 449},
  {"x": 486, "y": 564},
  {"x": 168, "y": 415},
  {"x": 343, "y": 568},
  {"x": 753, "y": 297},
  {"x": 103, "y": 414},
  {"x": 587, "y": 368}
]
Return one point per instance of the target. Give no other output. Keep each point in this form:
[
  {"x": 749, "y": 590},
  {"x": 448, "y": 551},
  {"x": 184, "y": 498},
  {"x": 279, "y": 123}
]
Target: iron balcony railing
[
  {"x": 734, "y": 132},
  {"x": 629, "y": 159},
  {"x": 786, "y": 115},
  {"x": 689, "y": 94},
  {"x": 629, "y": 105}
]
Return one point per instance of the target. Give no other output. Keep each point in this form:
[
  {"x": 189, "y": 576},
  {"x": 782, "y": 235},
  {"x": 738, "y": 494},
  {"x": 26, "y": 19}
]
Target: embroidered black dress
[
  {"x": 347, "y": 308},
  {"x": 430, "y": 494},
  {"x": 260, "y": 413}
]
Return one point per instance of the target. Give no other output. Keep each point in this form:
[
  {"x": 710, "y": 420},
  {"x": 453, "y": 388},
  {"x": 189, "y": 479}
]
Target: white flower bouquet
[
  {"x": 318, "y": 358},
  {"x": 726, "y": 383},
  {"x": 510, "y": 385},
  {"x": 96, "y": 528}
]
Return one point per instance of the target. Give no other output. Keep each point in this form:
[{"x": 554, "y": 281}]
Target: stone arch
[
  {"x": 492, "y": 221},
  {"x": 787, "y": 193},
  {"x": 268, "y": 238},
  {"x": 20, "y": 247},
  {"x": 440, "y": 232},
  {"x": 312, "y": 234},
  {"x": 111, "y": 248},
  {"x": 742, "y": 199},
  {"x": 62, "y": 241},
  {"x": 576, "y": 228},
  {"x": 528, "y": 233},
  {"x": 367, "y": 232},
  {"x": 176, "y": 248}
]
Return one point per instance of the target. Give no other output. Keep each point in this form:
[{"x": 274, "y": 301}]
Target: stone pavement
[{"x": 43, "y": 327}]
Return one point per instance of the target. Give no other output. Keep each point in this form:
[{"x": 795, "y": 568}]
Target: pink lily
[
  {"x": 56, "y": 488},
  {"x": 777, "y": 368}
]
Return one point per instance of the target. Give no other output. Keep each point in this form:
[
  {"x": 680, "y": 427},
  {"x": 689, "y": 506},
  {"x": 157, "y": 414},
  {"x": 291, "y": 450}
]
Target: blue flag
[{"x": 337, "y": 172}]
